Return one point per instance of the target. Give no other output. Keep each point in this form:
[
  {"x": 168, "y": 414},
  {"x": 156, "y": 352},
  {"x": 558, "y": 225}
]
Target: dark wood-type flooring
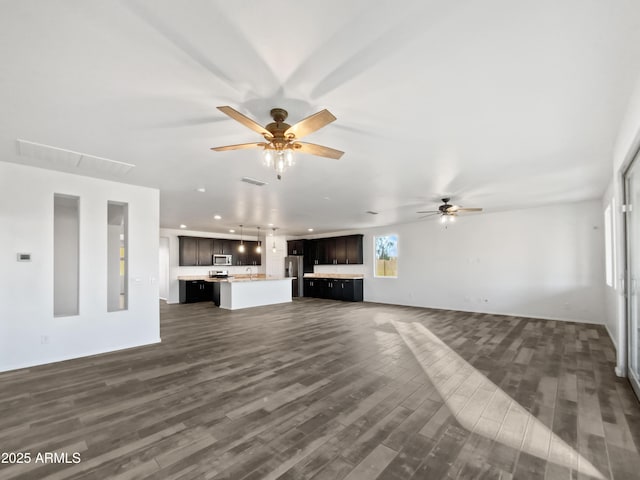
[{"x": 317, "y": 389}]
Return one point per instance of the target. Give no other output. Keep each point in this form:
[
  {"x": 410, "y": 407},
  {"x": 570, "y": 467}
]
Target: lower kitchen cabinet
[
  {"x": 346, "y": 289},
  {"x": 192, "y": 291}
]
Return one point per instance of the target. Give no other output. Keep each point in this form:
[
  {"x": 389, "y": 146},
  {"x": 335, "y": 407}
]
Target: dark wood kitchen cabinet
[
  {"x": 309, "y": 259},
  {"x": 317, "y": 252},
  {"x": 192, "y": 291},
  {"x": 345, "y": 289},
  {"x": 198, "y": 251},
  {"x": 238, "y": 257},
  {"x": 346, "y": 250},
  {"x": 354, "y": 249},
  {"x": 195, "y": 251},
  {"x": 222, "y": 246},
  {"x": 249, "y": 257},
  {"x": 188, "y": 251},
  {"x": 296, "y": 247},
  {"x": 205, "y": 251},
  {"x": 253, "y": 257}
]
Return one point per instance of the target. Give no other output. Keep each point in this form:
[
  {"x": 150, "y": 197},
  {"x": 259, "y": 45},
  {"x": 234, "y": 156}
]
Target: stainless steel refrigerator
[{"x": 294, "y": 267}]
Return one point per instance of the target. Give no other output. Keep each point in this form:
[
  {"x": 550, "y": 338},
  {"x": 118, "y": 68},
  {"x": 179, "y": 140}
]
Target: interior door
[{"x": 632, "y": 200}]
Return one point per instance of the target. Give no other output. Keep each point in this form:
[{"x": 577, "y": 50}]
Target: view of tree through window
[{"x": 386, "y": 254}]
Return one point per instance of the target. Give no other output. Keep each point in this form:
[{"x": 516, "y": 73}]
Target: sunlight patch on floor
[{"x": 481, "y": 407}]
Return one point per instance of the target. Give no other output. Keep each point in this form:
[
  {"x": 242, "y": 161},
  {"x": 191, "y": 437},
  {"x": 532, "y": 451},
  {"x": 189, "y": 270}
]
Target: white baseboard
[
  {"x": 82, "y": 355},
  {"x": 484, "y": 312}
]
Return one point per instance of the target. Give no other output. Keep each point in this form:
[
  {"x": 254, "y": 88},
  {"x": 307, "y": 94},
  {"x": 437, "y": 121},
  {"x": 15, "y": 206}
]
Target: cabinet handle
[{"x": 347, "y": 261}]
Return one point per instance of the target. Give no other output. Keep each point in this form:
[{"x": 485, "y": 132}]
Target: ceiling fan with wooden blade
[
  {"x": 282, "y": 139},
  {"x": 448, "y": 211}
]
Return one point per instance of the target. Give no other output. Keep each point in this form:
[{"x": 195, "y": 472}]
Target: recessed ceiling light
[
  {"x": 232, "y": 231},
  {"x": 309, "y": 229},
  {"x": 217, "y": 217},
  {"x": 183, "y": 226},
  {"x": 271, "y": 224},
  {"x": 201, "y": 189}
]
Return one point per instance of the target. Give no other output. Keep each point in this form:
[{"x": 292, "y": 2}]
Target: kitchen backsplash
[{"x": 361, "y": 269}]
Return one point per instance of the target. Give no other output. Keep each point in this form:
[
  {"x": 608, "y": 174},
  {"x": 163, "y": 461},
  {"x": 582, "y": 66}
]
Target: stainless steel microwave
[{"x": 222, "y": 260}]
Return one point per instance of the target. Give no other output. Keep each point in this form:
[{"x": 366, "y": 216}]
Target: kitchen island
[{"x": 248, "y": 291}]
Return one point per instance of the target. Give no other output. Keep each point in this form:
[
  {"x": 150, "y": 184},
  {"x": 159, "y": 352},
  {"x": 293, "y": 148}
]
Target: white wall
[
  {"x": 613, "y": 294},
  {"x": 29, "y": 333},
  {"x": 543, "y": 262},
  {"x": 625, "y": 148},
  {"x": 274, "y": 261},
  {"x": 175, "y": 270}
]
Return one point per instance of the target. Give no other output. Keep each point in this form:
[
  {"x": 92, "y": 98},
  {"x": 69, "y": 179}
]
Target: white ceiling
[{"x": 499, "y": 104}]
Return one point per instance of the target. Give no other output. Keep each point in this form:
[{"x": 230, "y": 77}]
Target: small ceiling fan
[
  {"x": 449, "y": 212},
  {"x": 282, "y": 139}
]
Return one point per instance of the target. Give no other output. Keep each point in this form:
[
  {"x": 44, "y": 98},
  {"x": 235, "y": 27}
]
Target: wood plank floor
[{"x": 318, "y": 389}]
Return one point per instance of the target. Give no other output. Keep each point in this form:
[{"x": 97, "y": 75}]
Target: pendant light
[
  {"x": 259, "y": 247},
  {"x": 274, "y": 241},
  {"x": 241, "y": 246}
]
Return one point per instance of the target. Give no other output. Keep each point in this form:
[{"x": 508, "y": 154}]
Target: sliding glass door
[{"x": 632, "y": 200}]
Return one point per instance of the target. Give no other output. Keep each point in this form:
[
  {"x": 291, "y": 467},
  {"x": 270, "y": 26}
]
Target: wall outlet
[{"x": 44, "y": 340}]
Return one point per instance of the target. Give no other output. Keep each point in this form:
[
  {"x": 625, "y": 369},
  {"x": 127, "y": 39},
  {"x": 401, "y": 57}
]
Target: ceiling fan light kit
[{"x": 281, "y": 139}]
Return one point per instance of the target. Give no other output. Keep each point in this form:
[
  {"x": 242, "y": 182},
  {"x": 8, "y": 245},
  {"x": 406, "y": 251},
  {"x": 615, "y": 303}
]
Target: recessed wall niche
[
  {"x": 117, "y": 256},
  {"x": 66, "y": 255}
]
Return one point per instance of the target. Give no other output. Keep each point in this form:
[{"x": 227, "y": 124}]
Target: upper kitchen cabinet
[
  {"x": 205, "y": 251},
  {"x": 238, "y": 257},
  {"x": 295, "y": 247},
  {"x": 194, "y": 251},
  {"x": 354, "y": 249},
  {"x": 334, "y": 251},
  {"x": 249, "y": 257},
  {"x": 310, "y": 249},
  {"x": 188, "y": 251},
  {"x": 253, "y": 257},
  {"x": 222, "y": 246}
]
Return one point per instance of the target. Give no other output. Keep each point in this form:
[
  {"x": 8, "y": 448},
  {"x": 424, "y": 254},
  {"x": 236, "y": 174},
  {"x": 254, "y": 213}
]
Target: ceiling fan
[
  {"x": 282, "y": 139},
  {"x": 449, "y": 212}
]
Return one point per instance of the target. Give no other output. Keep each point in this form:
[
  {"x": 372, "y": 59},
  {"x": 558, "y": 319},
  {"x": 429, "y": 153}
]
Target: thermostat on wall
[{"x": 24, "y": 257}]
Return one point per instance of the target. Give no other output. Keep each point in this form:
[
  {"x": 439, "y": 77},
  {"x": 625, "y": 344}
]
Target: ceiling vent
[
  {"x": 104, "y": 165},
  {"x": 253, "y": 181},
  {"x": 371, "y": 212},
  {"x": 54, "y": 157}
]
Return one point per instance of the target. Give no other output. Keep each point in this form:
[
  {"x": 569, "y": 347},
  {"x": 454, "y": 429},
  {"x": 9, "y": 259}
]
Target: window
[{"x": 386, "y": 256}]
